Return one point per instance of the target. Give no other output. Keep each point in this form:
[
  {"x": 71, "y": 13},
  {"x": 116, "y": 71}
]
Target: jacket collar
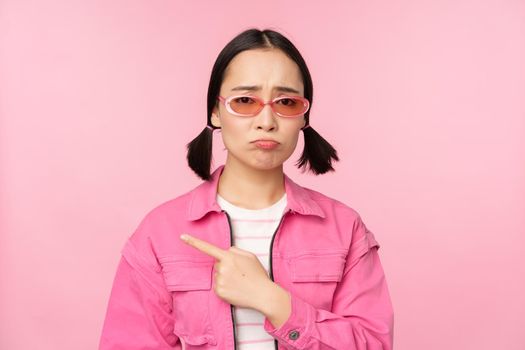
[{"x": 203, "y": 198}]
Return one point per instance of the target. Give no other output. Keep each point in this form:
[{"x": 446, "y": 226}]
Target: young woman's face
[{"x": 267, "y": 70}]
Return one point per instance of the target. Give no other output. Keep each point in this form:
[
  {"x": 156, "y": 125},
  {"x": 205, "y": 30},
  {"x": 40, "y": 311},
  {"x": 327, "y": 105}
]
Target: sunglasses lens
[
  {"x": 290, "y": 106},
  {"x": 245, "y": 105}
]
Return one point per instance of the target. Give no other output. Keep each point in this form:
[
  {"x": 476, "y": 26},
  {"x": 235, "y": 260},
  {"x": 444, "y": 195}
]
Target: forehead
[{"x": 265, "y": 67}]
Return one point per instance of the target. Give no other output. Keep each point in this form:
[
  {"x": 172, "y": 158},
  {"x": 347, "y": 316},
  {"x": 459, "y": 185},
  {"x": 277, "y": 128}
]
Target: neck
[{"x": 251, "y": 188}]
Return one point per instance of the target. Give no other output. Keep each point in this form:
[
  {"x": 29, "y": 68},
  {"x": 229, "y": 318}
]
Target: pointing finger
[{"x": 204, "y": 246}]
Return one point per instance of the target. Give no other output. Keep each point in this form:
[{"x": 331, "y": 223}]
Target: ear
[{"x": 215, "y": 119}]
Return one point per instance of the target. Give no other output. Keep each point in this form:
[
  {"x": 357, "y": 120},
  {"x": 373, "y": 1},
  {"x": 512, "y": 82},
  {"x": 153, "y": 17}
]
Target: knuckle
[{"x": 219, "y": 290}]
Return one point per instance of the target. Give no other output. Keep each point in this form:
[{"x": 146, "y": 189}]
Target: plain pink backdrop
[{"x": 423, "y": 100}]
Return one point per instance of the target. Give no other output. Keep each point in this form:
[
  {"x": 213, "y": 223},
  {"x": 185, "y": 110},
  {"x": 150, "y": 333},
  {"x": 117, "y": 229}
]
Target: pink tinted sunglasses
[{"x": 249, "y": 106}]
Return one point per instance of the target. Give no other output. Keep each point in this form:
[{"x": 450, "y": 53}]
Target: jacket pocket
[
  {"x": 189, "y": 280},
  {"x": 198, "y": 341},
  {"x": 318, "y": 267},
  {"x": 315, "y": 273}
]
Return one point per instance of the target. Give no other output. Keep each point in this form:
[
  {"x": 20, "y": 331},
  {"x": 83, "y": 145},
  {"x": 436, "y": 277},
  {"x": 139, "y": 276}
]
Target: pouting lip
[{"x": 265, "y": 140}]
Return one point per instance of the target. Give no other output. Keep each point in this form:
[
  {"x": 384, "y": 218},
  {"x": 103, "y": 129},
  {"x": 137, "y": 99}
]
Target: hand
[{"x": 239, "y": 277}]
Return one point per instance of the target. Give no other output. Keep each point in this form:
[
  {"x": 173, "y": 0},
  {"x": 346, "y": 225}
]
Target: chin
[{"x": 262, "y": 165}]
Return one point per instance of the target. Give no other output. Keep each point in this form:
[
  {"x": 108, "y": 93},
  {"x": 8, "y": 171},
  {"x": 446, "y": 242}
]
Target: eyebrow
[{"x": 258, "y": 87}]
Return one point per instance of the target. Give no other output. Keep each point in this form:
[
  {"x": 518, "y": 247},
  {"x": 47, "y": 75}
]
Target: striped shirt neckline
[{"x": 270, "y": 209}]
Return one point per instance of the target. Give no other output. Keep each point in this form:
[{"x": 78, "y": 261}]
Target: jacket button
[{"x": 293, "y": 335}]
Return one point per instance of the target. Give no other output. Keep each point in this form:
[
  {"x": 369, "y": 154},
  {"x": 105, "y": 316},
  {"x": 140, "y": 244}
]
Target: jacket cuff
[{"x": 296, "y": 330}]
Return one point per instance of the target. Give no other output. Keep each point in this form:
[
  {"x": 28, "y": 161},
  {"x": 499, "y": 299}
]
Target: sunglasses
[{"x": 249, "y": 106}]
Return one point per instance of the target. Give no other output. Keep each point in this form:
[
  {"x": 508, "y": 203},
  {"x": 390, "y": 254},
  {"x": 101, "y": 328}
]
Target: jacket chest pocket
[
  {"x": 315, "y": 274},
  {"x": 189, "y": 281}
]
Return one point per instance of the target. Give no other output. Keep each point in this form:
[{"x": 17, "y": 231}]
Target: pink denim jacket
[{"x": 322, "y": 253}]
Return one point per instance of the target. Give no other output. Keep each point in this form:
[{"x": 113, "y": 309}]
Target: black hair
[{"x": 317, "y": 152}]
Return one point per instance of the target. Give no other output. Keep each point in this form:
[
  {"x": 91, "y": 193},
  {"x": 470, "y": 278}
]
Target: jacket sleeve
[
  {"x": 139, "y": 310},
  {"x": 362, "y": 316}
]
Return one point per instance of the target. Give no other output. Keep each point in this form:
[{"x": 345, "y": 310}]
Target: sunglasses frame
[{"x": 262, "y": 103}]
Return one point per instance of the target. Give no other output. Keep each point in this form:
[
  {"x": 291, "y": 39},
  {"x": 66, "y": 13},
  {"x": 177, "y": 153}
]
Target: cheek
[
  {"x": 233, "y": 136},
  {"x": 293, "y": 135},
  {"x": 291, "y": 143},
  {"x": 227, "y": 139}
]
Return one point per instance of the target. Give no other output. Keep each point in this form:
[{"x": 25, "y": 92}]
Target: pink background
[{"x": 424, "y": 101}]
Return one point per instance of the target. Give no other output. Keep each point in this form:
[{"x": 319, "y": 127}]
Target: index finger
[{"x": 204, "y": 246}]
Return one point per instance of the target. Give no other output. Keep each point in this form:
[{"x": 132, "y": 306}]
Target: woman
[{"x": 304, "y": 272}]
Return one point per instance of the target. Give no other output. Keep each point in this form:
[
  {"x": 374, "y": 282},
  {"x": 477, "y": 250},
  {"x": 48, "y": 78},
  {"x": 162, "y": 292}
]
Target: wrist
[{"x": 275, "y": 304}]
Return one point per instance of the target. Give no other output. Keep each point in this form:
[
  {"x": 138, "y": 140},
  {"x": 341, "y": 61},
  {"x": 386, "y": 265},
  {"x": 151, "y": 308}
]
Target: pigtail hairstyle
[
  {"x": 200, "y": 152},
  {"x": 317, "y": 152}
]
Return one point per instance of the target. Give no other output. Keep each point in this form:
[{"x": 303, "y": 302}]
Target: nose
[{"x": 266, "y": 118}]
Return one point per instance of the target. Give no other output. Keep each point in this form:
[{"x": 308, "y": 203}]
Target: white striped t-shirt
[{"x": 252, "y": 230}]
